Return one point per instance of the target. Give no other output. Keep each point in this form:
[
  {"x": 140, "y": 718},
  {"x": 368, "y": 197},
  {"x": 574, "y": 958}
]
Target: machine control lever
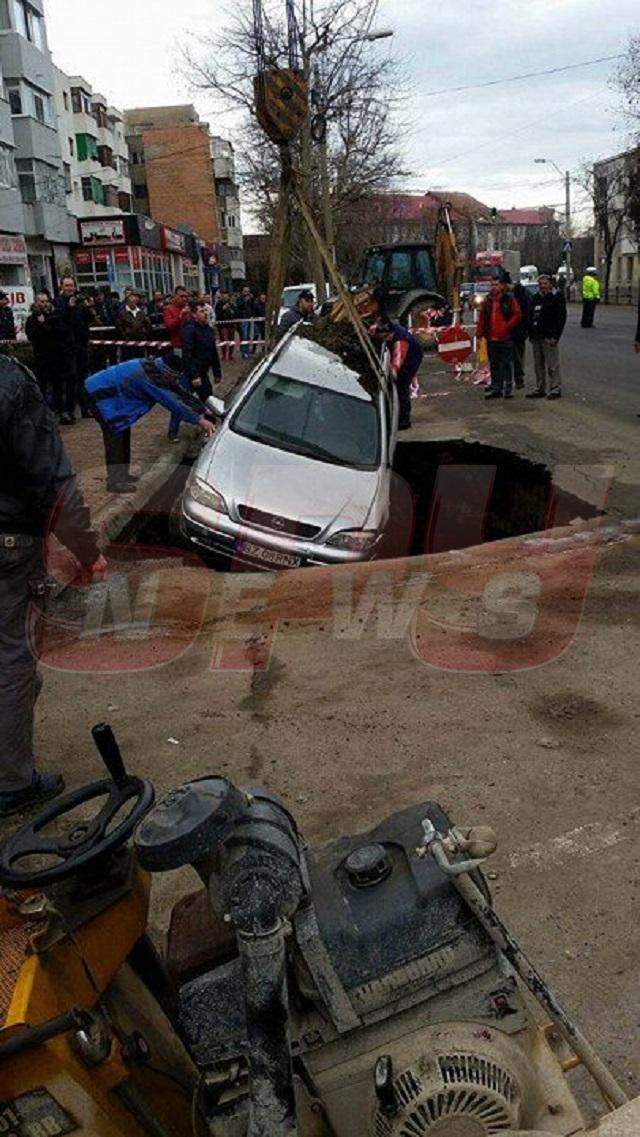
[{"x": 109, "y": 751}]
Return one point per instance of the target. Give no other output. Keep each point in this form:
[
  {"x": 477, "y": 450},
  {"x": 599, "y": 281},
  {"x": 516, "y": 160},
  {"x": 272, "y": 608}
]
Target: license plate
[
  {"x": 268, "y": 556},
  {"x": 34, "y": 1114}
]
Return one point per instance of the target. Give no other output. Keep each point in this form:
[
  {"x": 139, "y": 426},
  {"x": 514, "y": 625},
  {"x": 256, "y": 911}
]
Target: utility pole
[{"x": 566, "y": 177}]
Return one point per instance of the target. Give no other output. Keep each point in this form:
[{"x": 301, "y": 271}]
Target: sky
[{"x": 481, "y": 141}]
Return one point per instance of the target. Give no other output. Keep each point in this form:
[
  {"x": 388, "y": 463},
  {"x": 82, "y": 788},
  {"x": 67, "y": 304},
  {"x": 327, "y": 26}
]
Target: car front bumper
[{"x": 221, "y": 535}]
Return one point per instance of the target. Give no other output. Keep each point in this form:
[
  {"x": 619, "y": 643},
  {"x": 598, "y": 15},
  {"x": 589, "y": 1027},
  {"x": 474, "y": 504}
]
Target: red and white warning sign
[{"x": 454, "y": 344}]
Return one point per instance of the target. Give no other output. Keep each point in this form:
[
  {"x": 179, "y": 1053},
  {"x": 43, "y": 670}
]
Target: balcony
[
  {"x": 223, "y": 168},
  {"x": 49, "y": 221},
  {"x": 35, "y": 140},
  {"x": 233, "y": 238},
  {"x": 24, "y": 60},
  {"x": 6, "y": 124}
]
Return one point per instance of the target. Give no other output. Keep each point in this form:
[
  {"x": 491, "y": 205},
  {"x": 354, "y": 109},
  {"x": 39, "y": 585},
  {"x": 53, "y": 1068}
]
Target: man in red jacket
[
  {"x": 174, "y": 316},
  {"x": 499, "y": 316}
]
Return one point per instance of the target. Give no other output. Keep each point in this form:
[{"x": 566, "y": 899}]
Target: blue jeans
[
  {"x": 501, "y": 366},
  {"x": 174, "y": 424},
  {"x": 246, "y": 333}
]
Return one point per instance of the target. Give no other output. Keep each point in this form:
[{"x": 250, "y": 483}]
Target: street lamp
[
  {"x": 384, "y": 33},
  {"x": 566, "y": 177}
]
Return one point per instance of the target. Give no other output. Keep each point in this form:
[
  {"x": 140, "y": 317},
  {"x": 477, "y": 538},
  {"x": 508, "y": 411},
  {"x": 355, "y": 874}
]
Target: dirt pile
[{"x": 341, "y": 339}]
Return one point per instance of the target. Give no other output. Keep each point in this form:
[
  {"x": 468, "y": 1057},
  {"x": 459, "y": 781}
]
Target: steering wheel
[{"x": 88, "y": 841}]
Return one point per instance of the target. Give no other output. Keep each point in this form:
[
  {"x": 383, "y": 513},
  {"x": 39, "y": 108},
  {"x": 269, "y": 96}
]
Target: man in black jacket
[
  {"x": 43, "y": 334},
  {"x": 7, "y": 322},
  {"x": 199, "y": 351},
  {"x": 36, "y": 484},
  {"x": 547, "y": 318},
  {"x": 74, "y": 323}
]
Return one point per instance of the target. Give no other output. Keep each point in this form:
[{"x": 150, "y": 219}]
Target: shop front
[
  {"x": 122, "y": 252},
  {"x": 184, "y": 250}
]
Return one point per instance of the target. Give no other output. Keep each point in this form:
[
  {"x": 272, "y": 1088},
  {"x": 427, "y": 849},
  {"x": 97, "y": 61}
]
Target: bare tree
[
  {"x": 627, "y": 82},
  {"x": 347, "y": 149},
  {"x": 613, "y": 187}
]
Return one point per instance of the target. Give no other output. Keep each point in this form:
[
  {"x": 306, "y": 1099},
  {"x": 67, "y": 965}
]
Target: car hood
[{"x": 287, "y": 485}]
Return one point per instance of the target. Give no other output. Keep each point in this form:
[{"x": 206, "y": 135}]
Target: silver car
[{"x": 299, "y": 472}]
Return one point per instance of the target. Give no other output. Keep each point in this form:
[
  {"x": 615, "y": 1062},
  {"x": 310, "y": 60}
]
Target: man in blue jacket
[{"x": 121, "y": 395}]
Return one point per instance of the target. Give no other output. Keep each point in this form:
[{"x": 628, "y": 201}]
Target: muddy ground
[{"x": 521, "y": 714}]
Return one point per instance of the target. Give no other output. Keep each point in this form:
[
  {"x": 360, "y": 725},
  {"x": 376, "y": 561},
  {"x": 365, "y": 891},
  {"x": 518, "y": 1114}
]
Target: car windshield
[
  {"x": 290, "y": 295},
  {"x": 314, "y": 421}
]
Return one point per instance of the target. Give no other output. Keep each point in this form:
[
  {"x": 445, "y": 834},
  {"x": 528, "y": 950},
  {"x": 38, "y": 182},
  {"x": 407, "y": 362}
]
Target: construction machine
[
  {"x": 419, "y": 276},
  {"x": 365, "y": 988}
]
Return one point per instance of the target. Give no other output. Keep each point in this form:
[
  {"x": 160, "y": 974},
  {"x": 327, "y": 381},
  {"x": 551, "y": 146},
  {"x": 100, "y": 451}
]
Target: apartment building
[
  {"x": 616, "y": 182},
  {"x": 32, "y": 192},
  {"x": 231, "y": 241},
  {"x": 172, "y": 174},
  {"x": 94, "y": 150}
]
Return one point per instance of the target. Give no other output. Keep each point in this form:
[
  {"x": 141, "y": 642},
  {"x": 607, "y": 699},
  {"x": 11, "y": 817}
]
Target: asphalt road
[{"x": 599, "y": 364}]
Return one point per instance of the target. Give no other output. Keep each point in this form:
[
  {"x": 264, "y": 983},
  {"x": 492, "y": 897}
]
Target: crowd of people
[
  {"x": 64, "y": 331},
  {"x": 509, "y": 317}
]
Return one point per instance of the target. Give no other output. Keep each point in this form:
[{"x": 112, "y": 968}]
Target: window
[
  {"x": 8, "y": 179},
  {"x": 105, "y": 156},
  {"x": 303, "y": 419},
  {"x": 400, "y": 271},
  {"x": 76, "y": 100},
  {"x": 86, "y": 147},
  {"x": 68, "y": 184},
  {"x": 424, "y": 270},
  {"x": 98, "y": 191},
  {"x": 72, "y": 148},
  {"x": 29, "y": 23},
  {"x": 65, "y": 99},
  {"x": 111, "y": 197},
  {"x": 124, "y": 167},
  {"x": 15, "y": 99},
  {"x": 27, "y": 180},
  {"x": 139, "y": 191},
  {"x": 38, "y": 106},
  {"x": 87, "y": 189},
  {"x": 124, "y": 202},
  {"x": 100, "y": 115}
]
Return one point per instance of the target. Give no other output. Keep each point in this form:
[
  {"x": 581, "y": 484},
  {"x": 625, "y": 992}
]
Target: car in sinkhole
[{"x": 300, "y": 469}]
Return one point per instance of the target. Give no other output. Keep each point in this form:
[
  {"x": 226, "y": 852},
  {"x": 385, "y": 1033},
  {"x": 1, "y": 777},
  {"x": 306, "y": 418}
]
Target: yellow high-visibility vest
[{"x": 590, "y": 288}]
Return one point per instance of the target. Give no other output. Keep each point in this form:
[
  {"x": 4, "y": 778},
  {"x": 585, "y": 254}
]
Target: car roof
[{"x": 308, "y": 362}]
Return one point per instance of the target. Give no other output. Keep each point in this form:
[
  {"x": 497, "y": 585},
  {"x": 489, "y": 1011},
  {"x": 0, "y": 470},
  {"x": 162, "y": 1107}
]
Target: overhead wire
[{"x": 525, "y": 75}]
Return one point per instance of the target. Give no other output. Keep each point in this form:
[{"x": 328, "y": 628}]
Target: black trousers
[
  {"x": 588, "y": 312},
  {"x": 117, "y": 455},
  {"x": 20, "y": 570}
]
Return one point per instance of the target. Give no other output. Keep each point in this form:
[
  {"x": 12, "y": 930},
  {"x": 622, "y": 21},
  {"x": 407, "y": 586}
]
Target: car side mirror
[{"x": 216, "y": 406}]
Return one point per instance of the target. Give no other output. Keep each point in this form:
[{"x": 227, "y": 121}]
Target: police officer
[
  {"x": 36, "y": 484},
  {"x": 590, "y": 296}
]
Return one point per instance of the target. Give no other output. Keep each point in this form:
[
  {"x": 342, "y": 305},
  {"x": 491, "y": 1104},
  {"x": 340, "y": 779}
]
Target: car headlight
[
  {"x": 200, "y": 491},
  {"x": 355, "y": 540}
]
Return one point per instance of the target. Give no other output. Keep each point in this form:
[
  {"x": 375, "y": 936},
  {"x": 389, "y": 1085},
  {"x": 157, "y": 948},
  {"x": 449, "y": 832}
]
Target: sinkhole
[{"x": 443, "y": 495}]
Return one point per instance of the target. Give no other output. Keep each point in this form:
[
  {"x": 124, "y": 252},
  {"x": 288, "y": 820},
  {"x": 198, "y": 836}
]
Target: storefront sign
[
  {"x": 99, "y": 232},
  {"x": 121, "y": 256},
  {"x": 20, "y": 299},
  {"x": 101, "y": 256},
  {"x": 136, "y": 258},
  {"x": 83, "y": 260},
  {"x": 13, "y": 250},
  {"x": 173, "y": 241}
]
